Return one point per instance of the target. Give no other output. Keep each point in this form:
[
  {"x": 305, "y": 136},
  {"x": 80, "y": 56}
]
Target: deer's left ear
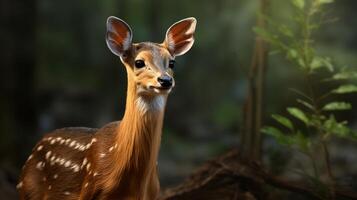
[{"x": 179, "y": 37}]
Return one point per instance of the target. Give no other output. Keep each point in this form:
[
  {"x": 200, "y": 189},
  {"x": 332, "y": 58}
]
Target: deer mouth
[{"x": 161, "y": 89}]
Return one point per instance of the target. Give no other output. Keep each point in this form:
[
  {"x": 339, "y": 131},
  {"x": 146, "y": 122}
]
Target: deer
[{"x": 119, "y": 160}]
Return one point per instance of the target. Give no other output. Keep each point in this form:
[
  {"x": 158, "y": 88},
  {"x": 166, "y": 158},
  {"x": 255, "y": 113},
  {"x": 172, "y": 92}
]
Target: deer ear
[
  {"x": 179, "y": 37},
  {"x": 119, "y": 36}
]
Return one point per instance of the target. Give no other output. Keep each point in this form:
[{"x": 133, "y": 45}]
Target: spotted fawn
[{"x": 119, "y": 160}]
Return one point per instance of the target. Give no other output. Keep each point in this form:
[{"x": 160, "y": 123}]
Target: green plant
[{"x": 316, "y": 111}]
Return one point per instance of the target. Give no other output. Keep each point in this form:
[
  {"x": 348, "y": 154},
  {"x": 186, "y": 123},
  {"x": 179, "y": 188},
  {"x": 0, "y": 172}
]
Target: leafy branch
[{"x": 314, "y": 111}]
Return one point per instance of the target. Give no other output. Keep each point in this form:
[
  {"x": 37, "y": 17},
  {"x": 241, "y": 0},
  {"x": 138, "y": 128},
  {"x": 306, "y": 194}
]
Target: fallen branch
[{"x": 229, "y": 177}]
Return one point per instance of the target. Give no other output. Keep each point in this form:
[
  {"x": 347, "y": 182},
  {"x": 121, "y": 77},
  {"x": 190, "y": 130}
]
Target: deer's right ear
[{"x": 119, "y": 36}]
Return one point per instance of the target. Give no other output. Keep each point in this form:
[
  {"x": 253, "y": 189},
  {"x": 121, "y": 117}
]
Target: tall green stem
[{"x": 316, "y": 111}]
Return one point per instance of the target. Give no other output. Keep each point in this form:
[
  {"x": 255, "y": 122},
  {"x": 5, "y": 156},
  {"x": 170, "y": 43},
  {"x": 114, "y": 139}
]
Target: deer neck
[{"x": 139, "y": 133}]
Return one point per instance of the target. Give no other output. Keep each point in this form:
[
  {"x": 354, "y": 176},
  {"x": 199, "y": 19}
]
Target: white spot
[
  {"x": 72, "y": 143},
  {"x": 116, "y": 145},
  {"x": 62, "y": 141},
  {"x": 84, "y": 161},
  {"x": 68, "y": 141},
  {"x": 49, "y": 187},
  {"x": 90, "y": 172},
  {"x": 88, "y": 145},
  {"x": 95, "y": 174},
  {"x": 53, "y": 158},
  {"x": 94, "y": 140},
  {"x": 30, "y": 157},
  {"x": 102, "y": 155},
  {"x": 88, "y": 166},
  {"x": 75, "y": 168},
  {"x": 53, "y": 141},
  {"x": 67, "y": 164},
  {"x": 49, "y": 138},
  {"x": 18, "y": 186},
  {"x": 67, "y": 193},
  {"x": 40, "y": 165},
  {"x": 62, "y": 161},
  {"x": 39, "y": 148},
  {"x": 44, "y": 179},
  {"x": 86, "y": 185},
  {"x": 48, "y": 154},
  {"x": 111, "y": 149},
  {"x": 55, "y": 176}
]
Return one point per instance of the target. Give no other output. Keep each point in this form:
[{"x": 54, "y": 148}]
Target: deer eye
[
  {"x": 139, "y": 63},
  {"x": 171, "y": 64}
]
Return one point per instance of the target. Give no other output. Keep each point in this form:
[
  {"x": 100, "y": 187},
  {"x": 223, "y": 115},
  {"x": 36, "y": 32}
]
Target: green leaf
[
  {"x": 345, "y": 75},
  {"x": 285, "y": 30},
  {"x": 292, "y": 53},
  {"x": 316, "y": 120},
  {"x": 278, "y": 135},
  {"x": 296, "y": 112},
  {"x": 343, "y": 89},
  {"x": 299, "y": 3},
  {"x": 339, "y": 129},
  {"x": 284, "y": 121},
  {"x": 328, "y": 64},
  {"x": 306, "y": 104},
  {"x": 301, "y": 63},
  {"x": 271, "y": 131},
  {"x": 337, "y": 106},
  {"x": 297, "y": 139},
  {"x": 316, "y": 63},
  {"x": 319, "y": 62}
]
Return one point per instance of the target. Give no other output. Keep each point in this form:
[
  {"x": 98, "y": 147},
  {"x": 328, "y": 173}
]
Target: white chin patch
[
  {"x": 162, "y": 91},
  {"x": 157, "y": 90},
  {"x": 144, "y": 105}
]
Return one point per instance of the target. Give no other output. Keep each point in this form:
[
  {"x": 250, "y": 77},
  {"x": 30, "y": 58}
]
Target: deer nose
[{"x": 165, "y": 81}]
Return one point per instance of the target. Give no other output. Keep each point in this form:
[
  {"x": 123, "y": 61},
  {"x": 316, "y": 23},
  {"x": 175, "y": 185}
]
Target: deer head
[{"x": 150, "y": 65}]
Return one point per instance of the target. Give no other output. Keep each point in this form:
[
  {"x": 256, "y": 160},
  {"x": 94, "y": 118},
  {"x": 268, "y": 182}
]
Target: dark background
[{"x": 56, "y": 71}]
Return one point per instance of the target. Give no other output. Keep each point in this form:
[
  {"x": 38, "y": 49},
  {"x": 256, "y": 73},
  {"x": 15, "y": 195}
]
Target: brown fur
[
  {"x": 128, "y": 172},
  {"x": 117, "y": 161}
]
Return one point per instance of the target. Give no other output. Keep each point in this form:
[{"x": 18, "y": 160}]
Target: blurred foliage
[{"x": 315, "y": 110}]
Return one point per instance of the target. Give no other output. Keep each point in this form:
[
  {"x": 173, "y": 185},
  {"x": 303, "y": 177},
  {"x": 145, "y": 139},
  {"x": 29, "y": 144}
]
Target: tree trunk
[{"x": 251, "y": 137}]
